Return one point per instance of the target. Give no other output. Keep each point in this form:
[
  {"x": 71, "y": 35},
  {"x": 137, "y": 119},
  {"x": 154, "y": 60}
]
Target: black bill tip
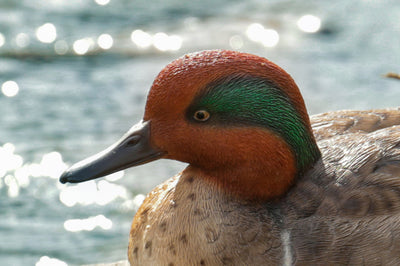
[{"x": 64, "y": 178}]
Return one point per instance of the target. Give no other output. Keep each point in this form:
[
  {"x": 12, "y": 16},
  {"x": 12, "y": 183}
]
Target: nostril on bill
[{"x": 132, "y": 141}]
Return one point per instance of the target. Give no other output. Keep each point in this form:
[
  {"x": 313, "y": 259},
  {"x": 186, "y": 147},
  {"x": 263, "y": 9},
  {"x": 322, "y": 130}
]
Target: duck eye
[{"x": 201, "y": 115}]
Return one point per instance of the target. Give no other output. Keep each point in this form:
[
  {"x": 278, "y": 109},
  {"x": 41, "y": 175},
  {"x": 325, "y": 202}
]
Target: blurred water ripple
[{"x": 74, "y": 77}]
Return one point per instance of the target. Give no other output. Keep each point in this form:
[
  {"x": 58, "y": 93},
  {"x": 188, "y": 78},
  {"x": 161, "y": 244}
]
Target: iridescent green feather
[{"x": 254, "y": 101}]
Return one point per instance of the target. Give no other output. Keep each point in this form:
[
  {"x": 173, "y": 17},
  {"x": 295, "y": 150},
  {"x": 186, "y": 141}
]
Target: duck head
[{"x": 238, "y": 120}]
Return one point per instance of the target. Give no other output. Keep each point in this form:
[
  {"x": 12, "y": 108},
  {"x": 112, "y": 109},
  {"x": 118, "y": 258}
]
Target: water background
[{"x": 76, "y": 98}]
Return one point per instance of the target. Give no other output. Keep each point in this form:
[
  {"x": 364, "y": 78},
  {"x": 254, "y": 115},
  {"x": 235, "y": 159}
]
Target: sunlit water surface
[{"x": 74, "y": 76}]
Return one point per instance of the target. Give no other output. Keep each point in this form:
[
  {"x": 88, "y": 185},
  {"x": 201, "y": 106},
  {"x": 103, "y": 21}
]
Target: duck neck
[{"x": 256, "y": 180}]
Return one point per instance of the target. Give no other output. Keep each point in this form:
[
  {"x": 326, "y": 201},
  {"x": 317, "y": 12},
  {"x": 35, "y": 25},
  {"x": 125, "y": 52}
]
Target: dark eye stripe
[{"x": 239, "y": 100}]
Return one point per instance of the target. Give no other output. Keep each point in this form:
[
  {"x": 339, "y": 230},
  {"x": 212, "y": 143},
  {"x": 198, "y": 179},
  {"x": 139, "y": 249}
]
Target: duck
[{"x": 265, "y": 184}]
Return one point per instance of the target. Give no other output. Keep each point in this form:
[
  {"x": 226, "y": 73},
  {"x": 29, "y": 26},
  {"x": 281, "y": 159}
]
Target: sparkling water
[{"x": 74, "y": 76}]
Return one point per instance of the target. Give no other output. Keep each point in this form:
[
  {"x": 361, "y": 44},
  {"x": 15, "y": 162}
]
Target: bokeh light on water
[
  {"x": 47, "y": 33},
  {"x": 82, "y": 46},
  {"x": 15, "y": 174},
  {"x": 91, "y": 192},
  {"x": 61, "y": 47},
  {"x": 76, "y": 225},
  {"x": 2, "y": 39},
  {"x": 105, "y": 41},
  {"x": 47, "y": 261},
  {"x": 257, "y": 33},
  {"x": 141, "y": 39},
  {"x": 102, "y": 2},
  {"x": 10, "y": 88},
  {"x": 309, "y": 23},
  {"x": 22, "y": 40}
]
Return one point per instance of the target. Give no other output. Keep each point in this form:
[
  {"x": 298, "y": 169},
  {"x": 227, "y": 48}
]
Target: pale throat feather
[{"x": 199, "y": 219}]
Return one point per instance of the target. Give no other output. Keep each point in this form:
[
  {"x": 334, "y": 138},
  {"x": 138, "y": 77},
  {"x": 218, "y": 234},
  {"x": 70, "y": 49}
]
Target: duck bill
[{"x": 134, "y": 148}]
